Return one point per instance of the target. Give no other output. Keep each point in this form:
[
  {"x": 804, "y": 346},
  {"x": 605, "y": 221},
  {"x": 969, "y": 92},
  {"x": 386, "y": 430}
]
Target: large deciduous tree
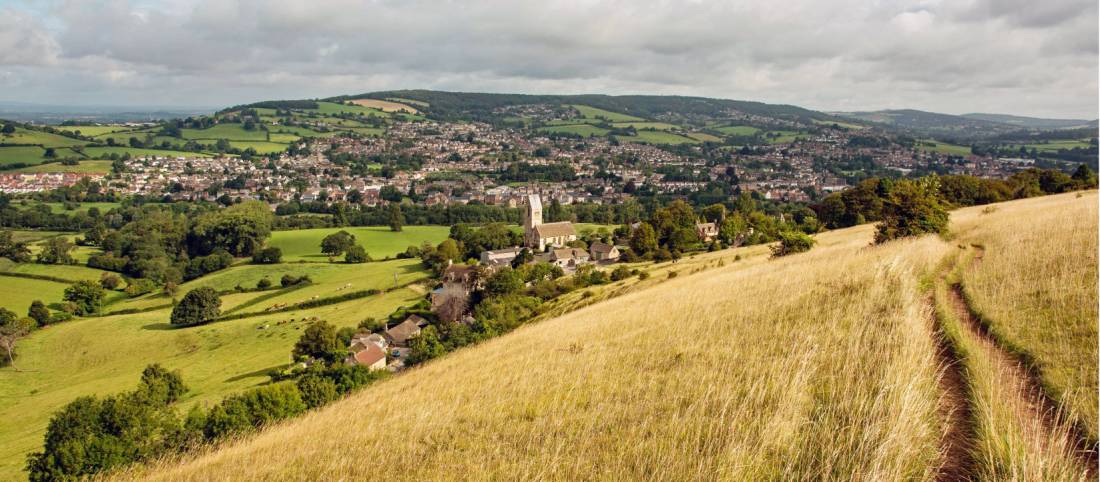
[{"x": 200, "y": 305}]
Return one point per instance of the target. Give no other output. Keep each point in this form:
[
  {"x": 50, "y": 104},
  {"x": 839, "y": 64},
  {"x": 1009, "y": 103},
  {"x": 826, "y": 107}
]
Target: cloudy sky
[{"x": 1008, "y": 56}]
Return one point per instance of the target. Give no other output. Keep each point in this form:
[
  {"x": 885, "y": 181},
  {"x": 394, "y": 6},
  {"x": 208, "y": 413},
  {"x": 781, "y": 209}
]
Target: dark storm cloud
[{"x": 983, "y": 55}]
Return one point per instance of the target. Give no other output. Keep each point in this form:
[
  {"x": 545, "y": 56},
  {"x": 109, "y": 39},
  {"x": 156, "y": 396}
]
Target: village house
[
  {"x": 603, "y": 252},
  {"x": 399, "y": 335},
  {"x": 706, "y": 231},
  {"x": 569, "y": 258},
  {"x": 500, "y": 257},
  {"x": 369, "y": 355}
]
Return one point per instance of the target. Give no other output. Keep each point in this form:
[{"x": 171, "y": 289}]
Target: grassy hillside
[
  {"x": 380, "y": 242},
  {"x": 824, "y": 365}
]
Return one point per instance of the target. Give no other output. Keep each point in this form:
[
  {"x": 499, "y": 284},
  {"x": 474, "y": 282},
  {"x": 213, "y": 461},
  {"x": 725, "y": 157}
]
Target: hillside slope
[{"x": 815, "y": 366}]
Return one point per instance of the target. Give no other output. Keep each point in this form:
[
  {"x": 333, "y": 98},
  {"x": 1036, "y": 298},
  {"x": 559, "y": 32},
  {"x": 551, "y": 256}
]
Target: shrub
[
  {"x": 39, "y": 313},
  {"x": 620, "y": 273},
  {"x": 253, "y": 409},
  {"x": 140, "y": 286},
  {"x": 263, "y": 284},
  {"x": 791, "y": 242},
  {"x": 316, "y": 390},
  {"x": 356, "y": 254},
  {"x": 269, "y": 255},
  {"x": 643, "y": 275},
  {"x": 319, "y": 341},
  {"x": 200, "y": 305},
  {"x": 110, "y": 281},
  {"x": 86, "y": 296}
]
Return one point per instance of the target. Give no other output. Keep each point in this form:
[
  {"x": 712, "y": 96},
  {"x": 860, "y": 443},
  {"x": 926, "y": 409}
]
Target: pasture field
[
  {"x": 367, "y": 131},
  {"x": 122, "y": 138},
  {"x": 233, "y": 132},
  {"x": 585, "y": 130},
  {"x": 282, "y": 137},
  {"x": 1055, "y": 145},
  {"x": 932, "y": 145},
  {"x": 379, "y": 241},
  {"x": 100, "y": 152},
  {"x": 85, "y": 167},
  {"x": 737, "y": 130},
  {"x": 386, "y": 105},
  {"x": 594, "y": 113},
  {"x": 298, "y": 131},
  {"x": 836, "y": 372},
  {"x": 92, "y": 131},
  {"x": 704, "y": 137},
  {"x": 44, "y": 139},
  {"x": 99, "y": 356},
  {"x": 70, "y": 272},
  {"x": 18, "y": 293},
  {"x": 334, "y": 108},
  {"x": 783, "y": 137},
  {"x": 24, "y": 154},
  {"x": 261, "y": 147},
  {"x": 657, "y": 137},
  {"x": 56, "y": 207},
  {"x": 661, "y": 126},
  {"x": 572, "y": 122}
]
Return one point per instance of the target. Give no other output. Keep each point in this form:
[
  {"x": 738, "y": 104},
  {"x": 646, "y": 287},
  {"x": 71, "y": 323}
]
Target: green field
[
  {"x": 585, "y": 130},
  {"x": 92, "y": 131},
  {"x": 594, "y": 113},
  {"x": 704, "y": 137},
  {"x": 784, "y": 137},
  {"x": 379, "y": 241},
  {"x": 932, "y": 145},
  {"x": 23, "y": 154},
  {"x": 233, "y": 132},
  {"x": 298, "y": 131},
  {"x": 661, "y": 126},
  {"x": 658, "y": 137},
  {"x": 44, "y": 139},
  {"x": 737, "y": 130},
  {"x": 99, "y": 152},
  {"x": 260, "y": 146},
  {"x": 56, "y": 207},
  {"x": 100, "y": 356},
  {"x": 85, "y": 167},
  {"x": 334, "y": 108},
  {"x": 1054, "y": 146}
]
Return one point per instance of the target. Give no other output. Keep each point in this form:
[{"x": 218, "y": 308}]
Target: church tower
[{"x": 533, "y": 218}]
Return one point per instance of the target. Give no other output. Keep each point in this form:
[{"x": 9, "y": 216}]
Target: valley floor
[{"x": 908, "y": 360}]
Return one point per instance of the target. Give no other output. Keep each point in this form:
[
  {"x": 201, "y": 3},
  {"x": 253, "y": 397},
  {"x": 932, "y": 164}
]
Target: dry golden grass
[
  {"x": 815, "y": 366},
  {"x": 386, "y": 106},
  {"x": 1036, "y": 286}
]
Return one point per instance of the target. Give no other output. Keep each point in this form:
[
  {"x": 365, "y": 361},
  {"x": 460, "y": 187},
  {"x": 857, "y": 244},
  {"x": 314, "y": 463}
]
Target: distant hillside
[
  {"x": 453, "y": 105},
  {"x": 1031, "y": 122}
]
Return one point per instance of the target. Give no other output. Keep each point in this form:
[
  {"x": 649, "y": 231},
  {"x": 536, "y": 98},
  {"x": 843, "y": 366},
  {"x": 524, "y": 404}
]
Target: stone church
[{"x": 537, "y": 235}]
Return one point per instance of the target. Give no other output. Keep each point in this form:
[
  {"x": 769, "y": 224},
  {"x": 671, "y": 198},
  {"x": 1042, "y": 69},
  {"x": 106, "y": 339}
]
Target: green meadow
[
  {"x": 85, "y": 167},
  {"x": 657, "y": 137},
  {"x": 233, "y": 132},
  {"x": 92, "y": 131},
  {"x": 44, "y": 139},
  {"x": 585, "y": 130},
  {"x": 932, "y": 145},
  {"x": 379, "y": 241},
  {"x": 661, "y": 126},
  {"x": 594, "y": 113},
  {"x": 737, "y": 130},
  {"x": 22, "y": 154}
]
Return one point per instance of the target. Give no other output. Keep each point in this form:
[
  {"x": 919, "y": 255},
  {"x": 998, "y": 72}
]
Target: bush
[
  {"x": 319, "y": 341},
  {"x": 269, "y": 255},
  {"x": 791, "y": 242},
  {"x": 316, "y": 390},
  {"x": 912, "y": 208},
  {"x": 253, "y": 409},
  {"x": 620, "y": 273},
  {"x": 140, "y": 286},
  {"x": 263, "y": 284},
  {"x": 290, "y": 280},
  {"x": 356, "y": 254},
  {"x": 643, "y": 275},
  {"x": 110, "y": 281},
  {"x": 39, "y": 313},
  {"x": 86, "y": 297},
  {"x": 200, "y": 305}
]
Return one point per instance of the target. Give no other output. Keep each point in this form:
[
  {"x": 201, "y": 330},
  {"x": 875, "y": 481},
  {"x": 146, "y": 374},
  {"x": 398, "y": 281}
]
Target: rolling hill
[{"x": 889, "y": 362}]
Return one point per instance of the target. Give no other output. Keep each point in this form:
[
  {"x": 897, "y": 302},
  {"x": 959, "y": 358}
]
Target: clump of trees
[
  {"x": 85, "y": 297},
  {"x": 912, "y": 208},
  {"x": 198, "y": 306}
]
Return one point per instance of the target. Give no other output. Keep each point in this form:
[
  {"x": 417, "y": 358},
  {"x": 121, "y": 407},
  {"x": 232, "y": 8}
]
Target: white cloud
[{"x": 956, "y": 56}]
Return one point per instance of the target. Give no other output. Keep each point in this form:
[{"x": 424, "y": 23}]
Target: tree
[
  {"x": 239, "y": 229},
  {"x": 56, "y": 250},
  {"x": 9, "y": 128},
  {"x": 110, "y": 281},
  {"x": 644, "y": 240},
  {"x": 504, "y": 281},
  {"x": 425, "y": 346},
  {"x": 39, "y": 313},
  {"x": 269, "y": 255},
  {"x": 15, "y": 251},
  {"x": 86, "y": 296},
  {"x": 451, "y": 303},
  {"x": 1084, "y": 177},
  {"x": 336, "y": 243},
  {"x": 714, "y": 213},
  {"x": 319, "y": 341},
  {"x": 356, "y": 254},
  {"x": 733, "y": 230},
  {"x": 791, "y": 242},
  {"x": 200, "y": 305},
  {"x": 396, "y": 218},
  {"x": 912, "y": 208},
  {"x": 12, "y": 329}
]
